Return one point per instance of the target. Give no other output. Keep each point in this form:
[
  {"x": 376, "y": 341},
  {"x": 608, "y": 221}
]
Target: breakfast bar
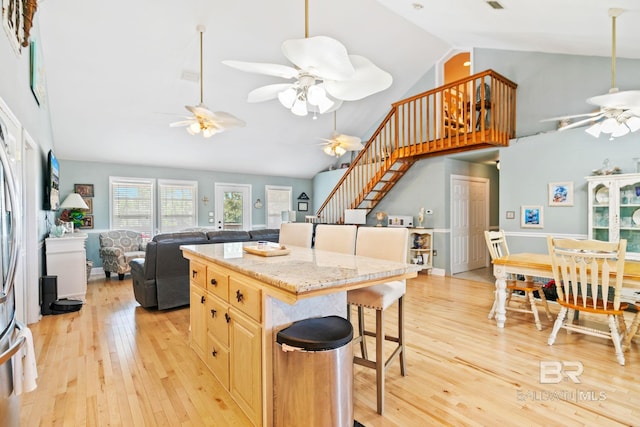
[{"x": 240, "y": 300}]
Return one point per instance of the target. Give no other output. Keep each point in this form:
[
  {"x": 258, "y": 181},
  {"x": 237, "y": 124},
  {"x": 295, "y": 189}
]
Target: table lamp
[{"x": 74, "y": 204}]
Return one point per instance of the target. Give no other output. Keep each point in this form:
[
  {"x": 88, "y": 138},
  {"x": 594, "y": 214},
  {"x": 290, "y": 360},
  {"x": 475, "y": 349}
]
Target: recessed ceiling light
[
  {"x": 495, "y": 4},
  {"x": 417, "y": 6}
]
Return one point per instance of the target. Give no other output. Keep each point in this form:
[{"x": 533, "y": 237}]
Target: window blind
[
  {"x": 132, "y": 204},
  {"x": 178, "y": 205}
]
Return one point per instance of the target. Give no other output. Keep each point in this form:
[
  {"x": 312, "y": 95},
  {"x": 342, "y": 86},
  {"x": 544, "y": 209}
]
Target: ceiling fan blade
[
  {"x": 573, "y": 116},
  {"x": 225, "y": 120},
  {"x": 200, "y": 110},
  {"x": 321, "y": 56},
  {"x": 622, "y": 100},
  {"x": 348, "y": 139},
  {"x": 181, "y": 123},
  {"x": 267, "y": 93},
  {"x": 367, "y": 80},
  {"x": 276, "y": 70},
  {"x": 582, "y": 122}
]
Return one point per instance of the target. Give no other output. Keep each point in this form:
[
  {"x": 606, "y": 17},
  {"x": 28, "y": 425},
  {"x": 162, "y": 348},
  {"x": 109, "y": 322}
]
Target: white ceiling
[{"x": 113, "y": 68}]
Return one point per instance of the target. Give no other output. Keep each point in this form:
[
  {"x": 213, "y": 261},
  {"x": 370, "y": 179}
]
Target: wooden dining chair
[
  {"x": 582, "y": 270},
  {"x": 336, "y": 238},
  {"x": 296, "y": 234},
  {"x": 388, "y": 244},
  {"x": 497, "y": 245}
]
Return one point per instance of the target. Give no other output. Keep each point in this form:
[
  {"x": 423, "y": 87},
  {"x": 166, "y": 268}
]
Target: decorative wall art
[
  {"x": 36, "y": 70},
  {"x": 85, "y": 190},
  {"x": 531, "y": 217},
  {"x": 561, "y": 194},
  {"x": 303, "y": 206}
]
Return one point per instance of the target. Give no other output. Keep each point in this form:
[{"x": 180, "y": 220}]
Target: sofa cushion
[
  {"x": 222, "y": 236},
  {"x": 267, "y": 234}
]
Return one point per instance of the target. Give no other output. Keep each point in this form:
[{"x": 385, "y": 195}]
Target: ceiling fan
[
  {"x": 324, "y": 75},
  {"x": 340, "y": 143},
  {"x": 203, "y": 119},
  {"x": 619, "y": 111}
]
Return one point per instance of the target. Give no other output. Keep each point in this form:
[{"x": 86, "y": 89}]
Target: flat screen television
[{"x": 52, "y": 185}]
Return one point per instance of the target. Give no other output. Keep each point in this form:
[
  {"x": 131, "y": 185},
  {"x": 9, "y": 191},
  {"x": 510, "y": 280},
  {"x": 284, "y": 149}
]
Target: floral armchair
[{"x": 117, "y": 248}]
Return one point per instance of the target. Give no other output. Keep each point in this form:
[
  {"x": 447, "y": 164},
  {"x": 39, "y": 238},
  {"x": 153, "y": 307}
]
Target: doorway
[
  {"x": 232, "y": 206},
  {"x": 469, "y": 219}
]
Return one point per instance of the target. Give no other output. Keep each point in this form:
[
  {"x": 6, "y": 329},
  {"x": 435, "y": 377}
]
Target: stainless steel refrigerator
[{"x": 9, "y": 240}]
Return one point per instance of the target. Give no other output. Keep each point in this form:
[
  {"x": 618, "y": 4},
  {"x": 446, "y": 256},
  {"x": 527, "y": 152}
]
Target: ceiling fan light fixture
[
  {"x": 609, "y": 125},
  {"x": 299, "y": 107},
  {"x": 594, "y": 130},
  {"x": 287, "y": 97},
  {"x": 620, "y": 130},
  {"x": 634, "y": 123}
]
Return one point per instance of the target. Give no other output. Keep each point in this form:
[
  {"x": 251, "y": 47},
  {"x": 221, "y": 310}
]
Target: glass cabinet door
[
  {"x": 601, "y": 212},
  {"x": 629, "y": 202}
]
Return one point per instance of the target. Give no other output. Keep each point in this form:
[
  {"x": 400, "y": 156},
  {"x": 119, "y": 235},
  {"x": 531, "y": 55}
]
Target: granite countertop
[{"x": 303, "y": 270}]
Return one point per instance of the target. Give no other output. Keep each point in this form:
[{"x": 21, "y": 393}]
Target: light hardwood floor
[{"x": 117, "y": 364}]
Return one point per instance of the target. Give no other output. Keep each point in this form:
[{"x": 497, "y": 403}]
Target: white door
[
  {"x": 232, "y": 206},
  {"x": 469, "y": 219}
]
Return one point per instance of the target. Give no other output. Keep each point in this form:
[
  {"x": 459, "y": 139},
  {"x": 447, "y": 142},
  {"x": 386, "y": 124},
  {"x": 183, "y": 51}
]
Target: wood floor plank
[{"x": 114, "y": 363}]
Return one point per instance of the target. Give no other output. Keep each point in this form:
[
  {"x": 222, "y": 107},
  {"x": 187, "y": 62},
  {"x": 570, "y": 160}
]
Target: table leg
[{"x": 501, "y": 294}]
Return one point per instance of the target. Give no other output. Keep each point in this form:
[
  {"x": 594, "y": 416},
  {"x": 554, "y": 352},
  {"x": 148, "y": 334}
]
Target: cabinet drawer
[
  {"x": 197, "y": 273},
  {"x": 217, "y": 319},
  {"x": 246, "y": 298},
  {"x": 217, "y": 359},
  {"x": 218, "y": 282}
]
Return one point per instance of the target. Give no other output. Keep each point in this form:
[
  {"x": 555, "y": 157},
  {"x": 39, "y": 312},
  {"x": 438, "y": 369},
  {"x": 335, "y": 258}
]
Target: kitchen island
[{"x": 239, "y": 301}]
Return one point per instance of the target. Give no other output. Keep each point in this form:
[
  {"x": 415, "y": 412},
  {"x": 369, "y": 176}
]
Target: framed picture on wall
[
  {"x": 89, "y": 202},
  {"x": 561, "y": 193},
  {"x": 87, "y": 221},
  {"x": 531, "y": 217},
  {"x": 303, "y": 206},
  {"x": 85, "y": 190}
]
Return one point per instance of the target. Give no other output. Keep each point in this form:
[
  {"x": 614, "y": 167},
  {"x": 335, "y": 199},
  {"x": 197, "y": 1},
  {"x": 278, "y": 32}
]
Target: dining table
[{"x": 533, "y": 265}]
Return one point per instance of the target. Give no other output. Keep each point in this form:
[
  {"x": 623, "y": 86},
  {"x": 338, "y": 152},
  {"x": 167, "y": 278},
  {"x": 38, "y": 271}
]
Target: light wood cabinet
[
  {"x": 197, "y": 315},
  {"x": 226, "y": 333},
  {"x": 420, "y": 249},
  {"x": 614, "y": 210}
]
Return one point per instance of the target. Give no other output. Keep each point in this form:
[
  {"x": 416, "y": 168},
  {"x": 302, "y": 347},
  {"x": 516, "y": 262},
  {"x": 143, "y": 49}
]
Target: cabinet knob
[
  {"x": 202, "y": 299},
  {"x": 239, "y": 295},
  {"x": 227, "y": 317},
  {"x": 213, "y": 313},
  {"x": 214, "y": 282},
  {"x": 194, "y": 274},
  {"x": 214, "y": 353}
]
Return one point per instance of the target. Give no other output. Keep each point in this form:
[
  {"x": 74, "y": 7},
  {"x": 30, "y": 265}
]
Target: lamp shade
[{"x": 74, "y": 201}]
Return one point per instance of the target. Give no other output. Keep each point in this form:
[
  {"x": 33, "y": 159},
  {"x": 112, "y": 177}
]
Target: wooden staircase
[{"x": 469, "y": 114}]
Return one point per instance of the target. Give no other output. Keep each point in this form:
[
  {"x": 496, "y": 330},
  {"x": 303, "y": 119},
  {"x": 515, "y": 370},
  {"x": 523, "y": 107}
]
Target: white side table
[{"x": 67, "y": 259}]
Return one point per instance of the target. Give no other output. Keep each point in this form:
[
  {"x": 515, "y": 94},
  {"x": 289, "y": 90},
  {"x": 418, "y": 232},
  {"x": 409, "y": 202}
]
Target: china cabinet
[
  {"x": 614, "y": 210},
  {"x": 420, "y": 247}
]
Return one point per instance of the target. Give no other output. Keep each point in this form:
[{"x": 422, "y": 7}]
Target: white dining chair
[
  {"x": 296, "y": 234},
  {"x": 336, "y": 238},
  {"x": 388, "y": 244}
]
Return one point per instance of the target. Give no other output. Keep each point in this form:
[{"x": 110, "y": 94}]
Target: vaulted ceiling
[{"x": 114, "y": 70}]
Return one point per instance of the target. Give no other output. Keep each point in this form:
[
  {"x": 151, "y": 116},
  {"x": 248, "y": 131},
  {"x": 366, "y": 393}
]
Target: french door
[{"x": 232, "y": 206}]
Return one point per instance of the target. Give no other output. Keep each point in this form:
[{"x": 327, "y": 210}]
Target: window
[
  {"x": 278, "y": 200},
  {"x": 132, "y": 204},
  {"x": 178, "y": 208}
]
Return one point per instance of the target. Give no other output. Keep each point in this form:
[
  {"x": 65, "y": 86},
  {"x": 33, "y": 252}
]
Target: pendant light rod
[
  {"x": 201, "y": 29},
  {"x": 614, "y": 13},
  {"x": 306, "y": 19}
]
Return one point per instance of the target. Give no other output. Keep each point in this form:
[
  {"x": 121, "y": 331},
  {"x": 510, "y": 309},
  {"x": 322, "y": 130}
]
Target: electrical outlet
[{"x": 435, "y": 252}]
